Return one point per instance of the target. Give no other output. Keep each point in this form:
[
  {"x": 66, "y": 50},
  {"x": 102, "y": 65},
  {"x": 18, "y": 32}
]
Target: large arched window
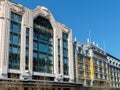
[{"x": 42, "y": 46}]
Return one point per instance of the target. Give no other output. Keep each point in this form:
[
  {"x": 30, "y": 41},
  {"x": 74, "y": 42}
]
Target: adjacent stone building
[
  {"x": 114, "y": 71},
  {"x": 82, "y": 70},
  {"x": 94, "y": 67}
]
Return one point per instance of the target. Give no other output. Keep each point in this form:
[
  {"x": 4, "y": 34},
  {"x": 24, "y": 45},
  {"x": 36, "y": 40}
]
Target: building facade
[
  {"x": 94, "y": 67},
  {"x": 114, "y": 71},
  {"x": 81, "y": 64},
  {"x": 33, "y": 45}
]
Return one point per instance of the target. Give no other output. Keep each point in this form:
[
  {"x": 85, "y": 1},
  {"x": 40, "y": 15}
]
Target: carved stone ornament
[
  {"x": 17, "y": 9},
  {"x": 44, "y": 13}
]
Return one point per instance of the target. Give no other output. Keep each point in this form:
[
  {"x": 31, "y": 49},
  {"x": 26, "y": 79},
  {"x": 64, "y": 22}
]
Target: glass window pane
[
  {"x": 15, "y": 50},
  {"x": 35, "y": 54},
  {"x": 65, "y": 61},
  {"x": 65, "y": 44},
  {"x": 65, "y": 36},
  {"x": 16, "y": 28},
  {"x": 65, "y": 52},
  {"x": 16, "y": 40},
  {"x": 43, "y": 48}
]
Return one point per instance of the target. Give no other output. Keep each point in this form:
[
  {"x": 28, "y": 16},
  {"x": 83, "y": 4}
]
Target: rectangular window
[
  {"x": 59, "y": 56},
  {"x": 65, "y": 36},
  {"x": 27, "y": 49},
  {"x": 65, "y": 54},
  {"x": 14, "y": 45}
]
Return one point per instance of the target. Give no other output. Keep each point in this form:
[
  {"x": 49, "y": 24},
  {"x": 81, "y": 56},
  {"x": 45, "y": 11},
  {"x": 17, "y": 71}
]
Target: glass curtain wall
[
  {"x": 65, "y": 54},
  {"x": 14, "y": 42},
  {"x": 42, "y": 46}
]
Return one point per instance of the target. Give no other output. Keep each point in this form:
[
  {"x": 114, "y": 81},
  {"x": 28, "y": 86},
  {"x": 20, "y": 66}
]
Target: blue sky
[{"x": 100, "y": 17}]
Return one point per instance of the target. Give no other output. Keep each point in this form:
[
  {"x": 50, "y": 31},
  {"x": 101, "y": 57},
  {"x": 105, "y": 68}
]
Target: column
[
  {"x": 55, "y": 55},
  {"x": 61, "y": 57},
  {"x": 27, "y": 22},
  {"x": 70, "y": 53},
  {"x": 4, "y": 37}
]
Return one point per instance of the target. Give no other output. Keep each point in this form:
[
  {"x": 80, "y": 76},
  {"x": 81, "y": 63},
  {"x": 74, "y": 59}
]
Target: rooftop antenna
[
  {"x": 88, "y": 40},
  {"x": 93, "y": 42},
  {"x": 89, "y": 37},
  {"x": 75, "y": 39}
]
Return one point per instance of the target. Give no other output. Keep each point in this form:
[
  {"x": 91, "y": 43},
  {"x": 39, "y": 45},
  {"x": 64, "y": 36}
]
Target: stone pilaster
[
  {"x": 4, "y": 37},
  {"x": 70, "y": 53},
  {"x": 27, "y": 22},
  {"x": 55, "y": 55}
]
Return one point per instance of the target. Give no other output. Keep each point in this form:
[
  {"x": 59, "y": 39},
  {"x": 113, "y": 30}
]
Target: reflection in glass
[
  {"x": 27, "y": 49},
  {"x": 65, "y": 54},
  {"x": 14, "y": 42},
  {"x": 42, "y": 46}
]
